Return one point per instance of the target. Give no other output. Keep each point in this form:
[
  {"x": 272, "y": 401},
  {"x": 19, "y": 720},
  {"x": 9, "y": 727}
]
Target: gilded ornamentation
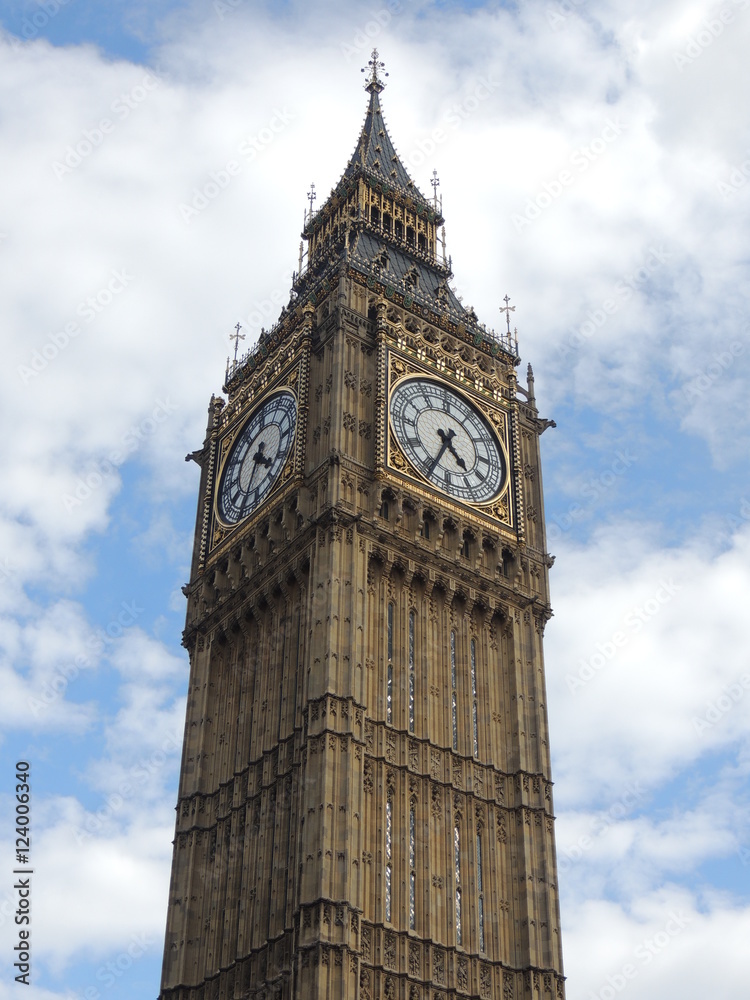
[{"x": 396, "y": 456}]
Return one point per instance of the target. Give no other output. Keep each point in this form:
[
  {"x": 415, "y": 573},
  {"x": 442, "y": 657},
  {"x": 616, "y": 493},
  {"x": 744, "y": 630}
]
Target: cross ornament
[
  {"x": 507, "y": 310},
  {"x": 236, "y": 337}
]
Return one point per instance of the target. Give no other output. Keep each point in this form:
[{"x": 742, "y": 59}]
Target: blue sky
[{"x": 594, "y": 160}]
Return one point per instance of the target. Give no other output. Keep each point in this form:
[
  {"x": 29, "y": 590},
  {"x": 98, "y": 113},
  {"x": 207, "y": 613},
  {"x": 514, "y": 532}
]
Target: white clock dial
[
  {"x": 447, "y": 440},
  {"x": 257, "y": 457}
]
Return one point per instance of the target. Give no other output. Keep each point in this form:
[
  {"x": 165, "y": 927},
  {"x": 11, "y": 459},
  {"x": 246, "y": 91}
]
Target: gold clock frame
[
  {"x": 226, "y": 443},
  {"x": 497, "y": 417}
]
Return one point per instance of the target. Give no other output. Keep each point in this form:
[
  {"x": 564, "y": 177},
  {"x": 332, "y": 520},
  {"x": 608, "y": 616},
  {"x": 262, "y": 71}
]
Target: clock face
[
  {"x": 257, "y": 457},
  {"x": 447, "y": 440}
]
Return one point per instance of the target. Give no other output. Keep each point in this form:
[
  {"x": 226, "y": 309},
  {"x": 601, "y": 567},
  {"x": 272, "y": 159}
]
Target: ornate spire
[
  {"x": 375, "y": 153},
  {"x": 374, "y": 84}
]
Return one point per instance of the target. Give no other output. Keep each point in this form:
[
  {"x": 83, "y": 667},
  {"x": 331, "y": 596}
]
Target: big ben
[{"x": 365, "y": 803}]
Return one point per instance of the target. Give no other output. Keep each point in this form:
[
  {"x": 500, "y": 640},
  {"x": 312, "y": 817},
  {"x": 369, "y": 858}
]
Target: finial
[
  {"x": 530, "y": 383},
  {"x": 507, "y": 310},
  {"x": 435, "y": 185},
  {"x": 236, "y": 337},
  {"x": 311, "y": 197},
  {"x": 374, "y": 83}
]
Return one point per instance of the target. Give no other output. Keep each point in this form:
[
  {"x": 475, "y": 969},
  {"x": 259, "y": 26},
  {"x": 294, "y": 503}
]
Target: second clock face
[
  {"x": 257, "y": 457},
  {"x": 447, "y": 440}
]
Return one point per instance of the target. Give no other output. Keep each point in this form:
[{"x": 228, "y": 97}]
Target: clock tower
[{"x": 365, "y": 802}]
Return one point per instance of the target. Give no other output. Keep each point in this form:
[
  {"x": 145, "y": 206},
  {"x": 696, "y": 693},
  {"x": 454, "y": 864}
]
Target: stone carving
[
  {"x": 502, "y": 832},
  {"x": 366, "y": 943},
  {"x": 485, "y": 981},
  {"x": 437, "y": 803},
  {"x": 462, "y": 975},
  {"x": 367, "y": 777},
  {"x": 364, "y": 985},
  {"x": 438, "y": 966},
  {"x": 414, "y": 959},
  {"x": 389, "y": 950}
]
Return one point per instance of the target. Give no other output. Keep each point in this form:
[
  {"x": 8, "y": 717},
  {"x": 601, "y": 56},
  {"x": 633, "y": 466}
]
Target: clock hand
[
  {"x": 446, "y": 439},
  {"x": 459, "y": 461},
  {"x": 259, "y": 457}
]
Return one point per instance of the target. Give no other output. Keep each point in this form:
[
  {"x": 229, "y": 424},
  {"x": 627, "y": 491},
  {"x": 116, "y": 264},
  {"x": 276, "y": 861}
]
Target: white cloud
[{"x": 667, "y": 646}]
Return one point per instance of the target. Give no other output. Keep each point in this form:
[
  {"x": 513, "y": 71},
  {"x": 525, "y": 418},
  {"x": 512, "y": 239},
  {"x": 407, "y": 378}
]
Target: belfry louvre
[{"x": 365, "y": 802}]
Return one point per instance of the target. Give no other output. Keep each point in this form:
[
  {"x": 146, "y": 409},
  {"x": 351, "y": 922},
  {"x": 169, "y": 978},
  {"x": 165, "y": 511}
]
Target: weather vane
[
  {"x": 236, "y": 337},
  {"x": 311, "y": 197},
  {"x": 374, "y": 64},
  {"x": 507, "y": 310}
]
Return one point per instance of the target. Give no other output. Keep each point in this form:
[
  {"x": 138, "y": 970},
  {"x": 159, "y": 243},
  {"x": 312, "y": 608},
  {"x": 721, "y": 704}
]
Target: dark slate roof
[
  {"x": 432, "y": 288},
  {"x": 376, "y": 154}
]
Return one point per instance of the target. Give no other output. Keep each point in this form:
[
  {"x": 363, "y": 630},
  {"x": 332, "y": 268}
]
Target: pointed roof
[{"x": 375, "y": 153}]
